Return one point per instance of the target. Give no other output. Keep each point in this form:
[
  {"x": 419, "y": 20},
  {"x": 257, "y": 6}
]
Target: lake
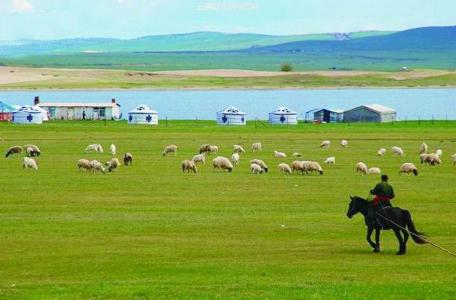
[{"x": 203, "y": 105}]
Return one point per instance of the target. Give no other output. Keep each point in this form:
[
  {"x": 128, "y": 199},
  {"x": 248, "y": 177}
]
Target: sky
[{"x": 59, "y": 19}]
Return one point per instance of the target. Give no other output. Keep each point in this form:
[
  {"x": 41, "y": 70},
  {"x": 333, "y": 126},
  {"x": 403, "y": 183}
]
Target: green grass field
[{"x": 149, "y": 231}]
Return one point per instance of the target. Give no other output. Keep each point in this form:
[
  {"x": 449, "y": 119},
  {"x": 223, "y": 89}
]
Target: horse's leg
[
  {"x": 397, "y": 232},
  {"x": 370, "y": 229},
  {"x": 377, "y": 239},
  {"x": 406, "y": 236}
]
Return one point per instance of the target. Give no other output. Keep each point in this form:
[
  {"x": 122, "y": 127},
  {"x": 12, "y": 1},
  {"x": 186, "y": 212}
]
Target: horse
[{"x": 393, "y": 218}]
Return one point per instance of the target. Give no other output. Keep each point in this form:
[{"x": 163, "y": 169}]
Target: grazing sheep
[
  {"x": 285, "y": 168},
  {"x": 113, "y": 149},
  {"x": 206, "y": 148},
  {"x": 256, "y": 169},
  {"x": 408, "y": 168},
  {"x": 128, "y": 159},
  {"x": 189, "y": 166},
  {"x": 113, "y": 164},
  {"x": 96, "y": 166},
  {"x": 361, "y": 168},
  {"x": 439, "y": 152},
  {"x": 238, "y": 149},
  {"x": 222, "y": 163},
  {"x": 84, "y": 164},
  {"x": 261, "y": 163},
  {"x": 13, "y": 150},
  {"x": 298, "y": 165},
  {"x": 423, "y": 148},
  {"x": 454, "y": 159},
  {"x": 381, "y": 151},
  {"x": 374, "y": 171},
  {"x": 32, "y": 150},
  {"x": 431, "y": 158},
  {"x": 257, "y": 147},
  {"x": 29, "y": 163},
  {"x": 397, "y": 150},
  {"x": 330, "y": 160},
  {"x": 278, "y": 154},
  {"x": 170, "y": 149},
  {"x": 325, "y": 144},
  {"x": 344, "y": 143},
  {"x": 199, "y": 158},
  {"x": 297, "y": 154},
  {"x": 235, "y": 158},
  {"x": 313, "y": 166},
  {"x": 213, "y": 149},
  {"x": 94, "y": 148}
]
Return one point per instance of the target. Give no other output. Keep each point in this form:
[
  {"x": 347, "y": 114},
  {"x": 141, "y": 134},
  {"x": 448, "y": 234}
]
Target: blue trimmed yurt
[
  {"x": 231, "y": 116},
  {"x": 144, "y": 115},
  {"x": 28, "y": 115},
  {"x": 283, "y": 116}
]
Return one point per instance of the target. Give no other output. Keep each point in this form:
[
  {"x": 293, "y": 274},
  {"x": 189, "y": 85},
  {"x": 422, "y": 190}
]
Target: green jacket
[{"x": 383, "y": 189}]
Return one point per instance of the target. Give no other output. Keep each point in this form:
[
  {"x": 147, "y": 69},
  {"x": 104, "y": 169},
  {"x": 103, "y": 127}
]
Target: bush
[{"x": 286, "y": 68}]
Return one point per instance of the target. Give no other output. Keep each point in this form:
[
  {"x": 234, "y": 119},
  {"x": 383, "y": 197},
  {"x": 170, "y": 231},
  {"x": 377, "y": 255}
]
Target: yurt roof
[
  {"x": 29, "y": 109},
  {"x": 143, "y": 108},
  {"x": 284, "y": 110},
  {"x": 232, "y": 110}
]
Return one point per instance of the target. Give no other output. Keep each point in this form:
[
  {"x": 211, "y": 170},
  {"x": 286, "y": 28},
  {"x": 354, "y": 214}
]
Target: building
[
  {"x": 81, "y": 111},
  {"x": 28, "y": 115},
  {"x": 231, "y": 116},
  {"x": 329, "y": 115},
  {"x": 143, "y": 115},
  {"x": 6, "y": 111},
  {"x": 283, "y": 116},
  {"x": 370, "y": 113}
]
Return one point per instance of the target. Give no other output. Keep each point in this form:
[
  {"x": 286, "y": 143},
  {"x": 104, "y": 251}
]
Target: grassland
[
  {"x": 149, "y": 231},
  {"x": 45, "y": 78}
]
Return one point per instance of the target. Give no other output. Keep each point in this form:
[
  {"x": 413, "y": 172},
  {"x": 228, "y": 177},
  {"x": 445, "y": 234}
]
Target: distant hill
[{"x": 198, "y": 41}]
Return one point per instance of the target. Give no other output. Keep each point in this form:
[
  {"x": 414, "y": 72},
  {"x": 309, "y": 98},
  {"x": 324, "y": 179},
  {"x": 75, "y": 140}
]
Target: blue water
[{"x": 203, "y": 105}]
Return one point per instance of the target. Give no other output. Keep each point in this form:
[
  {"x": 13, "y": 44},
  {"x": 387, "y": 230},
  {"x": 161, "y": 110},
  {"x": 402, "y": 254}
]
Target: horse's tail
[{"x": 418, "y": 237}]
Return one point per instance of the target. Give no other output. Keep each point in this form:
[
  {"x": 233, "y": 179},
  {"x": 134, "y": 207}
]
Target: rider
[{"x": 383, "y": 193}]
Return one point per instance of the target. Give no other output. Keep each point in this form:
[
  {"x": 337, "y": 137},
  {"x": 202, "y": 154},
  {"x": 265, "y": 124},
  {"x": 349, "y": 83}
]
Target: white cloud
[
  {"x": 20, "y": 6},
  {"x": 228, "y": 6}
]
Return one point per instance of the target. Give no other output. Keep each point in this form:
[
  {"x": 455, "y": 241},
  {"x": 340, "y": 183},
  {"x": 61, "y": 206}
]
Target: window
[{"x": 102, "y": 112}]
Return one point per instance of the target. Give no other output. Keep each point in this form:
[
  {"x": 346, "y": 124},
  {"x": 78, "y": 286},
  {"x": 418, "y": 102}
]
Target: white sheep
[
  {"x": 222, "y": 163},
  {"x": 235, "y": 158},
  {"x": 325, "y": 144},
  {"x": 128, "y": 159},
  {"x": 213, "y": 149},
  {"x": 439, "y": 152},
  {"x": 113, "y": 164},
  {"x": 285, "y": 168},
  {"x": 374, "y": 171},
  {"x": 330, "y": 160},
  {"x": 13, "y": 150},
  {"x": 381, "y": 151},
  {"x": 397, "y": 150},
  {"x": 29, "y": 163},
  {"x": 344, "y": 143},
  {"x": 297, "y": 154},
  {"x": 408, "y": 168},
  {"x": 32, "y": 150},
  {"x": 189, "y": 166},
  {"x": 84, "y": 164},
  {"x": 257, "y": 147},
  {"x": 454, "y": 159},
  {"x": 97, "y": 166},
  {"x": 261, "y": 163},
  {"x": 313, "y": 166},
  {"x": 199, "y": 158},
  {"x": 278, "y": 154},
  {"x": 256, "y": 169},
  {"x": 205, "y": 148},
  {"x": 423, "y": 148},
  {"x": 361, "y": 168},
  {"x": 169, "y": 149},
  {"x": 94, "y": 148},
  {"x": 113, "y": 149},
  {"x": 430, "y": 158},
  {"x": 238, "y": 149},
  {"x": 298, "y": 165}
]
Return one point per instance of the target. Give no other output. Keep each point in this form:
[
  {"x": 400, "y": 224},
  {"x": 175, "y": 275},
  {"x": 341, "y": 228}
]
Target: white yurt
[
  {"x": 28, "y": 115},
  {"x": 143, "y": 115},
  {"x": 283, "y": 115},
  {"x": 43, "y": 112},
  {"x": 231, "y": 116}
]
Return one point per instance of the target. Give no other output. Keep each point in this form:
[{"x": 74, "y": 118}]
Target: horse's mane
[{"x": 359, "y": 199}]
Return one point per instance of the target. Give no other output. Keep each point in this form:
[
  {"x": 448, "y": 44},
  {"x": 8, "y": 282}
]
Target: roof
[
  {"x": 337, "y": 111},
  {"x": 379, "y": 108},
  {"x": 29, "y": 109},
  {"x": 5, "y": 108},
  {"x": 283, "y": 110},
  {"x": 232, "y": 110},
  {"x": 76, "y": 104},
  {"x": 143, "y": 109}
]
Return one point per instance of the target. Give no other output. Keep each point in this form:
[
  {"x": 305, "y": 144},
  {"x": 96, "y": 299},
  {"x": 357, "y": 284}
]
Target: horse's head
[{"x": 353, "y": 207}]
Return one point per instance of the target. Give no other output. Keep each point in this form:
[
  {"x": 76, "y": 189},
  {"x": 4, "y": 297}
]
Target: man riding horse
[{"x": 383, "y": 193}]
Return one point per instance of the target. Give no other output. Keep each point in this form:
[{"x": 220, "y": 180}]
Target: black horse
[{"x": 397, "y": 215}]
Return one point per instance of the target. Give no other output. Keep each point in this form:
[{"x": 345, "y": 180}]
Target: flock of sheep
[{"x": 257, "y": 166}]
